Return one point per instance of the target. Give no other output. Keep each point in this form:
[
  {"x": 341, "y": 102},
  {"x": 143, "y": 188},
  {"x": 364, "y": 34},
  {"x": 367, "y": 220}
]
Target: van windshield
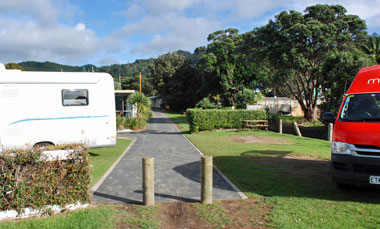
[{"x": 361, "y": 108}]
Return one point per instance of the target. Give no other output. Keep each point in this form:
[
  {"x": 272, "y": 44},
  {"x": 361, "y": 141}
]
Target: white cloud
[
  {"x": 28, "y": 40},
  {"x": 41, "y": 10},
  {"x": 80, "y": 27},
  {"x": 242, "y": 9},
  {"x": 133, "y": 11},
  {"x": 162, "y": 7},
  {"x": 184, "y": 34},
  {"x": 29, "y": 30},
  {"x": 170, "y": 25},
  {"x": 171, "y": 32},
  {"x": 107, "y": 60}
]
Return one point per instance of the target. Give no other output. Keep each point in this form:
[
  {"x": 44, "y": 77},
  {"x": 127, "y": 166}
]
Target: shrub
[
  {"x": 28, "y": 181},
  {"x": 247, "y": 96},
  {"x": 135, "y": 123},
  {"x": 215, "y": 119},
  {"x": 143, "y": 105},
  {"x": 120, "y": 121},
  {"x": 205, "y": 104}
]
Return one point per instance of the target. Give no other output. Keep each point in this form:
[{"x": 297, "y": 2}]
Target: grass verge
[
  {"x": 100, "y": 217},
  {"x": 142, "y": 217},
  {"x": 292, "y": 175},
  {"x": 214, "y": 214},
  {"x": 180, "y": 120}
]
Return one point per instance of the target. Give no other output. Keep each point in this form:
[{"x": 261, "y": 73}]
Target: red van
[{"x": 355, "y": 150}]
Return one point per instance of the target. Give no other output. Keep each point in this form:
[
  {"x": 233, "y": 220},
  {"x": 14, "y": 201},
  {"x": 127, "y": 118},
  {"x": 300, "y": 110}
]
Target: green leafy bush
[
  {"x": 135, "y": 123},
  {"x": 205, "y": 103},
  {"x": 200, "y": 119},
  {"x": 28, "y": 181},
  {"x": 143, "y": 105},
  {"x": 247, "y": 96},
  {"x": 120, "y": 121}
]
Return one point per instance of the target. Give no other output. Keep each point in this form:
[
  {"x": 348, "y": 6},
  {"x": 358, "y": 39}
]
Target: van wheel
[
  {"x": 344, "y": 186},
  {"x": 43, "y": 145}
]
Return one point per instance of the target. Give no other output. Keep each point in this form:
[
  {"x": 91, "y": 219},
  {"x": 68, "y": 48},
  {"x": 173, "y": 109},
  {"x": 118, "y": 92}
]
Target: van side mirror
[{"x": 328, "y": 117}]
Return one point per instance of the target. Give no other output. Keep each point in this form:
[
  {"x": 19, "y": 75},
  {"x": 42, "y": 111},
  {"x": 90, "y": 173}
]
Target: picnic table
[{"x": 256, "y": 124}]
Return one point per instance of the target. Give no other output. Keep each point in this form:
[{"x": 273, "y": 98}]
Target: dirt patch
[
  {"x": 299, "y": 166},
  {"x": 254, "y": 139},
  {"x": 249, "y": 213},
  {"x": 179, "y": 215}
]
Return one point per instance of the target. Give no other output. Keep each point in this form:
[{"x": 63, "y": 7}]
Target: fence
[{"x": 311, "y": 132}]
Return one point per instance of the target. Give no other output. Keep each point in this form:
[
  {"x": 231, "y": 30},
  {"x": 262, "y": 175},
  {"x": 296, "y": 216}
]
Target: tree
[
  {"x": 143, "y": 105},
  {"x": 176, "y": 81},
  {"x": 297, "y": 45},
  {"x": 14, "y": 66},
  {"x": 373, "y": 47},
  {"x": 340, "y": 69},
  {"x": 224, "y": 67},
  {"x": 245, "y": 97},
  {"x": 133, "y": 83}
]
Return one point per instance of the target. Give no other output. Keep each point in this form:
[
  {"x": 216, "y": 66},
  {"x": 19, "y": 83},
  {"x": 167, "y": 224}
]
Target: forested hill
[
  {"x": 116, "y": 70},
  {"x": 125, "y": 75},
  {"x": 50, "y": 66},
  {"x": 131, "y": 69},
  {"x": 125, "y": 70}
]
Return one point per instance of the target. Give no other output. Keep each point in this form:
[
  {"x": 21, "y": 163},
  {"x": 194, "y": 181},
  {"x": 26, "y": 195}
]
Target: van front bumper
[{"x": 348, "y": 169}]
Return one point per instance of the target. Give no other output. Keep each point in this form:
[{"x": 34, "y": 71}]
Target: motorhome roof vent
[{"x": 2, "y": 67}]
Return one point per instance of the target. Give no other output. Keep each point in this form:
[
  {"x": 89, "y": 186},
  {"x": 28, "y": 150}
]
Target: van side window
[{"x": 74, "y": 97}]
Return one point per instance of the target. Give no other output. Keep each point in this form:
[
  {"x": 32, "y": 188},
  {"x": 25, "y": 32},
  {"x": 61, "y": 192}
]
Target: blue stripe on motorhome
[{"x": 48, "y": 119}]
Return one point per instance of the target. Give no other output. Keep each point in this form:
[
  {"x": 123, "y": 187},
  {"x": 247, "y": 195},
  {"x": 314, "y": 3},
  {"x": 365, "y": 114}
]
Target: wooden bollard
[
  {"x": 148, "y": 181},
  {"x": 280, "y": 126},
  {"x": 330, "y": 131},
  {"x": 297, "y": 129},
  {"x": 206, "y": 180}
]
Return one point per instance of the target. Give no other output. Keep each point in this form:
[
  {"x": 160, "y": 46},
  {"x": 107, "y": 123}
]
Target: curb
[
  {"x": 126, "y": 131},
  {"x": 236, "y": 189},
  {"x": 101, "y": 180}
]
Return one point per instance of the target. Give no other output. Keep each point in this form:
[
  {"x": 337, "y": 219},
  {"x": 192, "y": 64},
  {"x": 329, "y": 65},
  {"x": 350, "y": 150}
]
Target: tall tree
[
  {"x": 175, "y": 80},
  {"x": 373, "y": 47},
  {"x": 339, "y": 70},
  {"x": 298, "y": 44},
  {"x": 224, "y": 67}
]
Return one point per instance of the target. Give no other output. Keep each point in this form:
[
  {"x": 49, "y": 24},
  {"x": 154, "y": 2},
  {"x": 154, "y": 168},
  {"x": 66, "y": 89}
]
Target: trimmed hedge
[
  {"x": 27, "y": 181},
  {"x": 211, "y": 119}
]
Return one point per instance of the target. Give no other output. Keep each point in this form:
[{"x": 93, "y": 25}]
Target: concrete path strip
[
  {"x": 177, "y": 168},
  {"x": 101, "y": 180}
]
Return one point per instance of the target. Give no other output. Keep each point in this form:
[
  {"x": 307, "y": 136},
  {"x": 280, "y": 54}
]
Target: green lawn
[
  {"x": 100, "y": 217},
  {"x": 291, "y": 178},
  {"x": 180, "y": 120},
  {"x": 104, "y": 216}
]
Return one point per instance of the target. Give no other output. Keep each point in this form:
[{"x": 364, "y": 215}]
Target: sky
[{"x": 104, "y": 32}]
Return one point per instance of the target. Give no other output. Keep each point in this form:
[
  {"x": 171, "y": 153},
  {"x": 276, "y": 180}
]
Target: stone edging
[{"x": 30, "y": 212}]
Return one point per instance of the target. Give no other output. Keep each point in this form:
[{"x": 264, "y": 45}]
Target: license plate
[{"x": 374, "y": 179}]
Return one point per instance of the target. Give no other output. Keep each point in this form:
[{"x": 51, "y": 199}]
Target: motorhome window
[
  {"x": 361, "y": 108},
  {"x": 76, "y": 97}
]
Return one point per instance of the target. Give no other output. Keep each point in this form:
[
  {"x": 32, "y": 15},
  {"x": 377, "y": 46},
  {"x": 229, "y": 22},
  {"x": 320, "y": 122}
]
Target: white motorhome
[{"x": 51, "y": 108}]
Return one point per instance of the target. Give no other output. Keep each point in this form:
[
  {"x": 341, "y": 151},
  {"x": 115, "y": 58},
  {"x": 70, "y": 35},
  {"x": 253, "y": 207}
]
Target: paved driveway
[{"x": 177, "y": 168}]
